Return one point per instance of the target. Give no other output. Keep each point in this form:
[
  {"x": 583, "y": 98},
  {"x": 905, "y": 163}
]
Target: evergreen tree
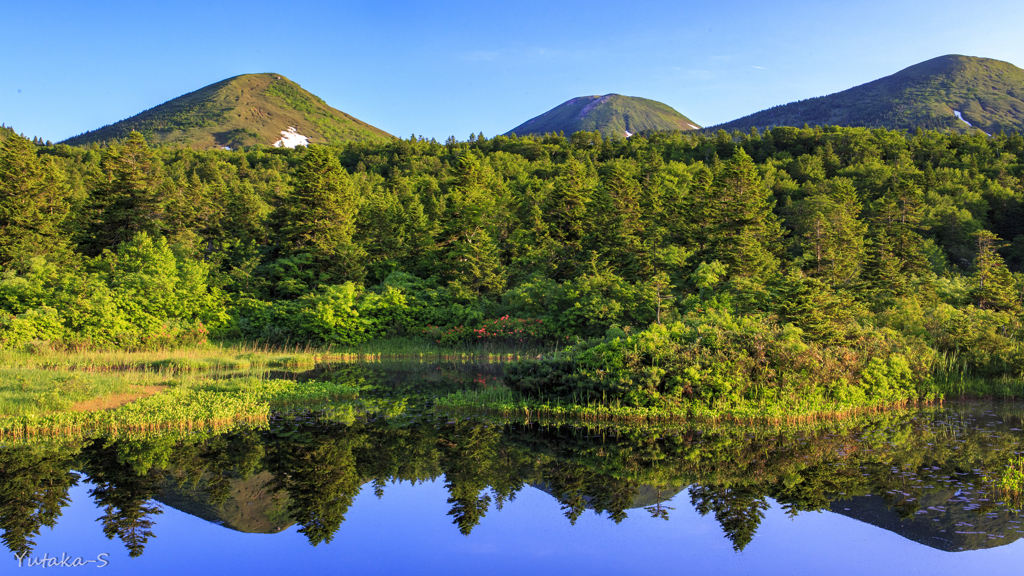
[
  {"x": 735, "y": 222},
  {"x": 34, "y": 203},
  {"x": 318, "y": 219},
  {"x": 993, "y": 286},
  {"x": 125, "y": 202},
  {"x": 830, "y": 235},
  {"x": 808, "y": 304},
  {"x": 567, "y": 214}
]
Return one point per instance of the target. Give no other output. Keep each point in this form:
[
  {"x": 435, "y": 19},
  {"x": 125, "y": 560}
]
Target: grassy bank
[
  {"x": 45, "y": 391},
  {"x": 200, "y": 403},
  {"x": 50, "y": 392}
]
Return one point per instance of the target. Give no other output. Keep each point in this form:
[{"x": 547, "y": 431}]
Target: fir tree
[
  {"x": 993, "y": 286},
  {"x": 34, "y": 203}
]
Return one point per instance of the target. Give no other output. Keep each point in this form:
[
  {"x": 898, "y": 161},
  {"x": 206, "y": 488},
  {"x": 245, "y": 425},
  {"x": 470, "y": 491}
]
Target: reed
[{"x": 1012, "y": 482}]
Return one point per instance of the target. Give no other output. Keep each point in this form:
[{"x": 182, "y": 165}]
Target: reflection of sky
[{"x": 408, "y": 532}]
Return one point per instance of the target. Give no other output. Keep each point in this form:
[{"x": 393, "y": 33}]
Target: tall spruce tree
[
  {"x": 829, "y": 234},
  {"x": 125, "y": 202},
  {"x": 735, "y": 223},
  {"x": 318, "y": 219},
  {"x": 993, "y": 286},
  {"x": 34, "y": 203}
]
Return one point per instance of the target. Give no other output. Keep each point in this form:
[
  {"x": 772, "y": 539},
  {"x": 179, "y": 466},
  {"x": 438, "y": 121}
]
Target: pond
[{"x": 388, "y": 485}]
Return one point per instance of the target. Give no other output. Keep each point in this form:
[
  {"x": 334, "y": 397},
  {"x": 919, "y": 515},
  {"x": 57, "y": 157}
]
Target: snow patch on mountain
[
  {"x": 961, "y": 117},
  {"x": 291, "y": 138}
]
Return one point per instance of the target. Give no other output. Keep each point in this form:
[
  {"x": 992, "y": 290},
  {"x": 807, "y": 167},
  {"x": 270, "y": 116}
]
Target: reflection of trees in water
[
  {"x": 320, "y": 467},
  {"x": 34, "y": 484},
  {"x": 322, "y": 479},
  {"x": 124, "y": 493},
  {"x": 578, "y": 487},
  {"x": 738, "y": 510},
  {"x": 471, "y": 464}
]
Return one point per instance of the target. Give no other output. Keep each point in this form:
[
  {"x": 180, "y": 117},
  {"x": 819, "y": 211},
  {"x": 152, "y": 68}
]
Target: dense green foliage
[
  {"x": 240, "y": 111},
  {"x": 850, "y": 253},
  {"x": 988, "y": 93},
  {"x": 612, "y": 115},
  {"x": 714, "y": 364}
]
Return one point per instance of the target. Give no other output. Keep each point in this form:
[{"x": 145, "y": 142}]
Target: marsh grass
[
  {"x": 30, "y": 391},
  {"x": 507, "y": 403},
  {"x": 953, "y": 377},
  {"x": 234, "y": 356},
  {"x": 185, "y": 406}
]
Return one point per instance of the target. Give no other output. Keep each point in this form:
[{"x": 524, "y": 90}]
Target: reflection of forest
[{"x": 922, "y": 470}]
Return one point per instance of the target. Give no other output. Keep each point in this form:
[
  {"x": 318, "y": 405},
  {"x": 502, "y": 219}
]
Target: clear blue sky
[{"x": 454, "y": 67}]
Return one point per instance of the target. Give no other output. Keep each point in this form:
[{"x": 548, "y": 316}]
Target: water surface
[{"x": 389, "y": 486}]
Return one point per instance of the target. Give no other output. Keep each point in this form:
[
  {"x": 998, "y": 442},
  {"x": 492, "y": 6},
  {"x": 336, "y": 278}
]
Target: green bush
[
  {"x": 343, "y": 314},
  {"x": 717, "y": 359},
  {"x": 140, "y": 296}
]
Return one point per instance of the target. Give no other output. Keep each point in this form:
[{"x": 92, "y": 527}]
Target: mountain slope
[
  {"x": 244, "y": 110},
  {"x": 610, "y": 114},
  {"x": 988, "y": 94},
  {"x": 249, "y": 507}
]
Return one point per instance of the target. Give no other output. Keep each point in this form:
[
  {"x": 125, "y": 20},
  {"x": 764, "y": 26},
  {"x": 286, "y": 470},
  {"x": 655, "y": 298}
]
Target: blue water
[{"x": 407, "y": 531}]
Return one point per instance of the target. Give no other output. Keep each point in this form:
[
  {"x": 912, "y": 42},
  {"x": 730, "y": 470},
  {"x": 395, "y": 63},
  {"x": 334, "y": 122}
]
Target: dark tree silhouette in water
[
  {"x": 34, "y": 485},
  {"x": 738, "y": 510},
  {"x": 124, "y": 495}
]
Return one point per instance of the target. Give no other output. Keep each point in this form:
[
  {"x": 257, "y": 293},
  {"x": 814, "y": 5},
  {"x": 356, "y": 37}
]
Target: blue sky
[{"x": 454, "y": 67}]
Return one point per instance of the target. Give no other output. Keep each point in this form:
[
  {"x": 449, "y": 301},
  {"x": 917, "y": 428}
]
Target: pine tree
[
  {"x": 830, "y": 235},
  {"x": 34, "y": 203},
  {"x": 808, "y": 304},
  {"x": 618, "y": 236},
  {"x": 567, "y": 213},
  {"x": 125, "y": 202},
  {"x": 735, "y": 223},
  {"x": 993, "y": 284},
  {"x": 319, "y": 218}
]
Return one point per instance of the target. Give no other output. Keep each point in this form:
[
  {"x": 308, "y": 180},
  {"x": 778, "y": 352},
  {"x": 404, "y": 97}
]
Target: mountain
[
  {"x": 945, "y": 92},
  {"x": 240, "y": 111},
  {"x": 248, "y": 507},
  {"x": 939, "y": 522},
  {"x": 610, "y": 115}
]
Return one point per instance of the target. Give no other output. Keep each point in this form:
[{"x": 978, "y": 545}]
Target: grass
[
  {"x": 223, "y": 383},
  {"x": 230, "y": 356},
  {"x": 27, "y": 391},
  {"x": 507, "y": 403},
  {"x": 197, "y": 404}
]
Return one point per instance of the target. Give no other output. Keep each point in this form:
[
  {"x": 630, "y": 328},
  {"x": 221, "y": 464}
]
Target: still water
[{"x": 389, "y": 486}]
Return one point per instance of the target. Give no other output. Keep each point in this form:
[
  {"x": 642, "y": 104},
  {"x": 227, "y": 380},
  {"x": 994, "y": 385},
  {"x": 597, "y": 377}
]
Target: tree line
[{"x": 133, "y": 246}]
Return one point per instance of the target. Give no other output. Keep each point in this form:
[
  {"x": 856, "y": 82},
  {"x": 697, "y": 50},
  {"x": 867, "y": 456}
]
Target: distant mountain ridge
[
  {"x": 953, "y": 91},
  {"x": 611, "y": 115},
  {"x": 243, "y": 110}
]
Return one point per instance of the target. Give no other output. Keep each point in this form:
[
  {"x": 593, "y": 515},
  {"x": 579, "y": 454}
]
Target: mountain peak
[
  {"x": 610, "y": 114},
  {"x": 949, "y": 92},
  {"x": 264, "y": 108}
]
